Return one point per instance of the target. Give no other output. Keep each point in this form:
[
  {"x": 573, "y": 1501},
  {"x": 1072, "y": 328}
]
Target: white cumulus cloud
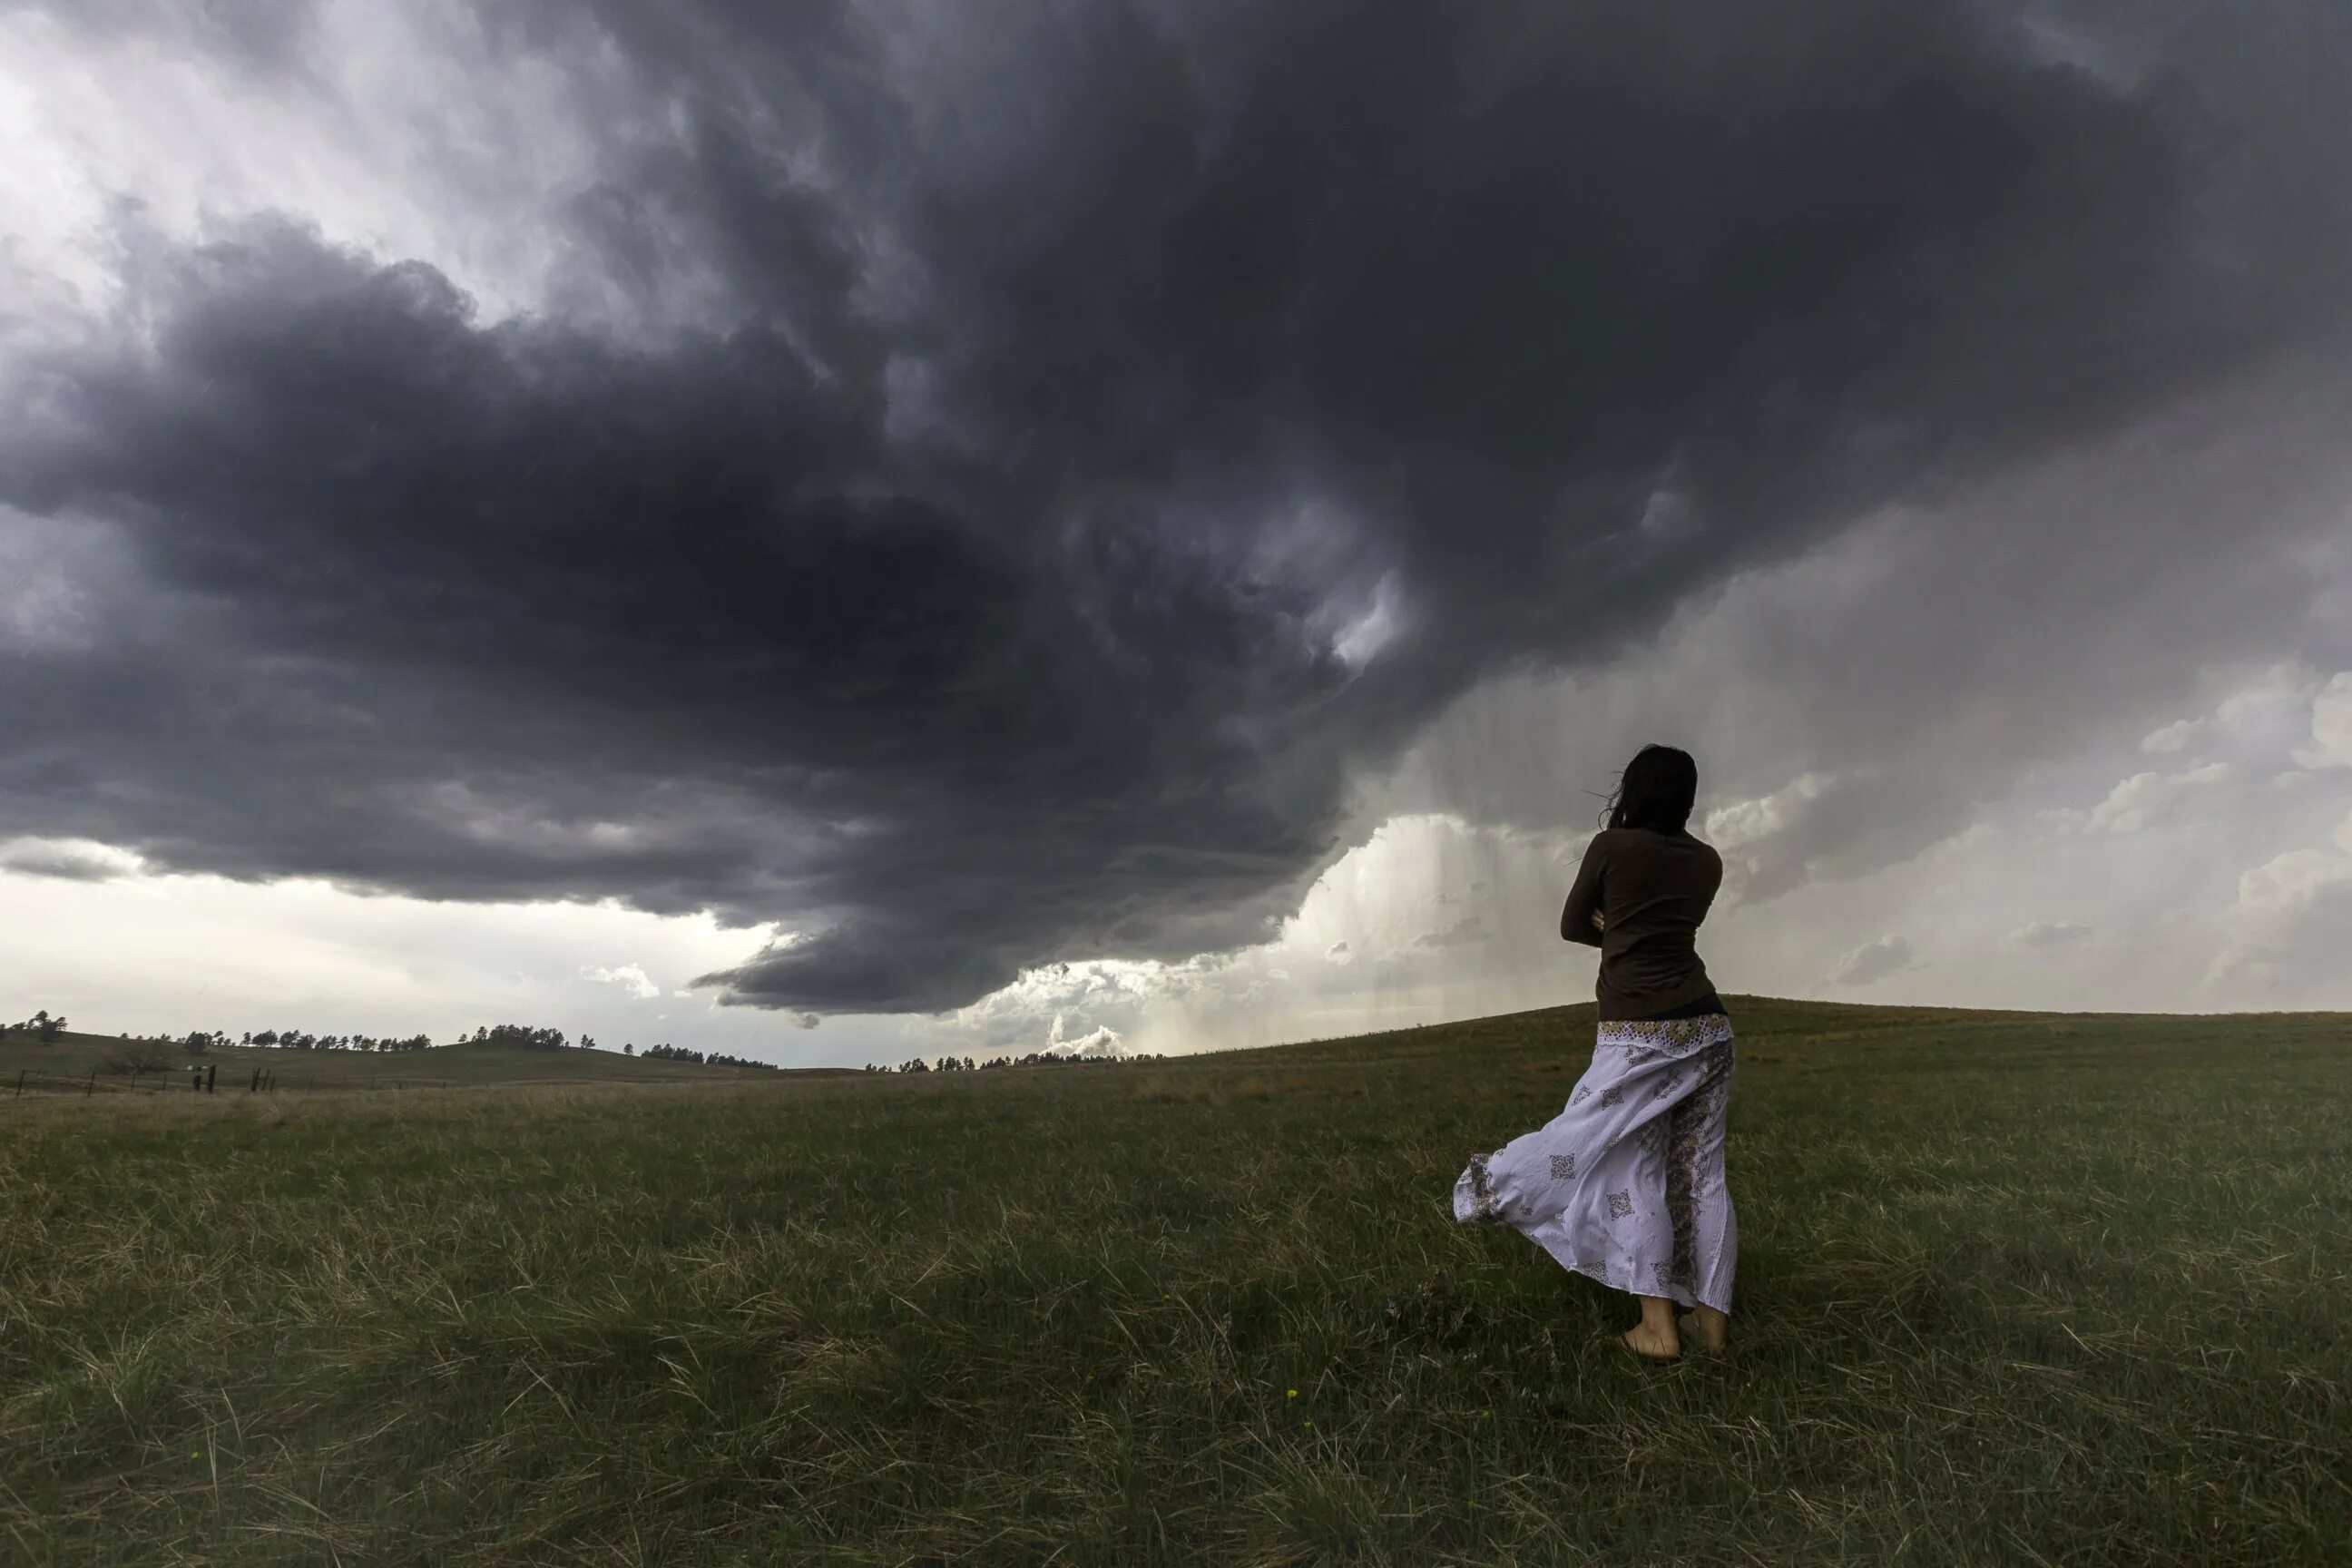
[
  {"x": 1873, "y": 961},
  {"x": 2292, "y": 924},
  {"x": 1467, "y": 930},
  {"x": 2049, "y": 933},
  {"x": 1103, "y": 1041},
  {"x": 2178, "y": 736},
  {"x": 627, "y": 975},
  {"x": 2331, "y": 726},
  {"x": 1746, "y": 822},
  {"x": 2152, "y": 800}
]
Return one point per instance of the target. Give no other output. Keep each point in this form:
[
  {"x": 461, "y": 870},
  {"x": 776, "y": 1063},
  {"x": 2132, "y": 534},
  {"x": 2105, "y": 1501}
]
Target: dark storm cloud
[
  {"x": 268, "y": 33},
  {"x": 957, "y": 576}
]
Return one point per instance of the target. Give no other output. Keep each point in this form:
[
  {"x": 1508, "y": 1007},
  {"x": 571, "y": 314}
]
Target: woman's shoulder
[
  {"x": 1614, "y": 841},
  {"x": 1649, "y": 839},
  {"x": 1681, "y": 839},
  {"x": 1704, "y": 851}
]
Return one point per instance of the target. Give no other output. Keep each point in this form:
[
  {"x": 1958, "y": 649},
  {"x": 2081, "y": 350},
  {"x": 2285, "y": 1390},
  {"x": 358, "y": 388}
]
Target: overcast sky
[{"x": 860, "y": 528}]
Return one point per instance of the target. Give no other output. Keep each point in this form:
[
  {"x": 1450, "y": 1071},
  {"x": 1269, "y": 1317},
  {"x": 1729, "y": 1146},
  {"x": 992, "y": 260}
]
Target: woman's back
[
  {"x": 1652, "y": 890},
  {"x": 1626, "y": 1184}
]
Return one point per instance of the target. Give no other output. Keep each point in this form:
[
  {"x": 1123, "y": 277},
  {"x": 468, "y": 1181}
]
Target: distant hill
[
  {"x": 75, "y": 1056},
  {"x": 72, "y": 1060},
  {"x": 1754, "y": 1018}
]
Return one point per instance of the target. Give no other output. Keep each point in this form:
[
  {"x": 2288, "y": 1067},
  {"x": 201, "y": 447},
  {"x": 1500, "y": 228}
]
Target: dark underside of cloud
[{"x": 969, "y": 582}]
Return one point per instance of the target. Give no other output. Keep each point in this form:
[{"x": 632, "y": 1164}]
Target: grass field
[{"x": 2013, "y": 1288}]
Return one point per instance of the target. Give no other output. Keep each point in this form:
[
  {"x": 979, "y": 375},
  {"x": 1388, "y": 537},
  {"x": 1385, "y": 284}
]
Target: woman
[{"x": 1626, "y": 1184}]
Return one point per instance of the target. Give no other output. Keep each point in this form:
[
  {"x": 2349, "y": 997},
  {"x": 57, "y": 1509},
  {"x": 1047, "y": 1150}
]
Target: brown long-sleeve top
[{"x": 1652, "y": 890}]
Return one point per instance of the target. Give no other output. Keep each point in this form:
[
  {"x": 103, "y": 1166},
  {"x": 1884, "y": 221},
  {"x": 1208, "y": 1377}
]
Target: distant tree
[
  {"x": 665, "y": 1052},
  {"x": 48, "y": 1028},
  {"x": 138, "y": 1059},
  {"x": 630, "y": 1049},
  {"x": 523, "y": 1034}
]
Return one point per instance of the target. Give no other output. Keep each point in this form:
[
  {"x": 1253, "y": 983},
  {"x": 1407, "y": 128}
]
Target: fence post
[
  {"x": 91, "y": 1086},
  {"x": 20, "y": 1084},
  {"x": 212, "y": 1075}
]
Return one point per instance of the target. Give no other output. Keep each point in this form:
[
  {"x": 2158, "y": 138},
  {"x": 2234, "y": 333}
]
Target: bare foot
[
  {"x": 1650, "y": 1344},
  {"x": 1706, "y": 1325}
]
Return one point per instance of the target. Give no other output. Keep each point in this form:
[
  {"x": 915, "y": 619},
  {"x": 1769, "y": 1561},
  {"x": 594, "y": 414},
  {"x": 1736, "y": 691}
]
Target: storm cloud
[{"x": 985, "y": 489}]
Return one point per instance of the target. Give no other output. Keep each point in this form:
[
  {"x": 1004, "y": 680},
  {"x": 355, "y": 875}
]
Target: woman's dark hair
[{"x": 1656, "y": 791}]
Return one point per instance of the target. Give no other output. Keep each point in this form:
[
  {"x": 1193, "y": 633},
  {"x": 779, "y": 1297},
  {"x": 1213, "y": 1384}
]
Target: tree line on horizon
[
  {"x": 295, "y": 1040},
  {"x": 1034, "y": 1059},
  {"x": 49, "y": 1030},
  {"x": 668, "y": 1053},
  {"x": 147, "y": 1057}
]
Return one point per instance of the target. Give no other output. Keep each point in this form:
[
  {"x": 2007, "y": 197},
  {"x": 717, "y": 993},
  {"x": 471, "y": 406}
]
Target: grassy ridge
[
  {"x": 2013, "y": 1288},
  {"x": 65, "y": 1067}
]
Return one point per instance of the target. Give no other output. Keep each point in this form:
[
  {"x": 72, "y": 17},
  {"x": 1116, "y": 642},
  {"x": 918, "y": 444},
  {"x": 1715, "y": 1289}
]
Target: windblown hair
[{"x": 1656, "y": 791}]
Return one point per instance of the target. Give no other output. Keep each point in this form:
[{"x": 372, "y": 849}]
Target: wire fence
[{"x": 203, "y": 1079}]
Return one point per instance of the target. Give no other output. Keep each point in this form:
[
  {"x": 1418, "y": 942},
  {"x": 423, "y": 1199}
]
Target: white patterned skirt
[{"x": 1626, "y": 1184}]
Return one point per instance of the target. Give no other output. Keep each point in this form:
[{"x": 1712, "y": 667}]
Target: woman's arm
[{"x": 1580, "y": 920}]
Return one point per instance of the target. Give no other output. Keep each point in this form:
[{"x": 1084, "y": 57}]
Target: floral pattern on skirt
[{"x": 1626, "y": 1184}]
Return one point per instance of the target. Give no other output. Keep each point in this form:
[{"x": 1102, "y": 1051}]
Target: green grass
[{"x": 2013, "y": 1288}]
